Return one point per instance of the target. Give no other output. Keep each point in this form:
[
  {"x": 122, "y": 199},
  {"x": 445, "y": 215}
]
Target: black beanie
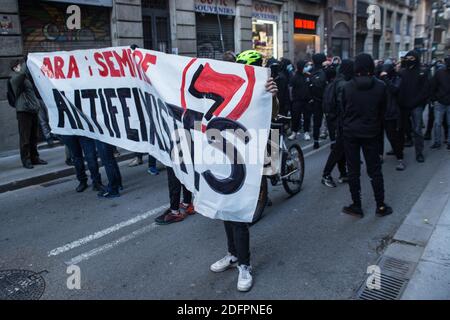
[
  {"x": 300, "y": 65},
  {"x": 364, "y": 65},
  {"x": 318, "y": 59},
  {"x": 346, "y": 68}
]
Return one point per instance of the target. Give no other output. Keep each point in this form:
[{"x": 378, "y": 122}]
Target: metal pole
[{"x": 220, "y": 29}]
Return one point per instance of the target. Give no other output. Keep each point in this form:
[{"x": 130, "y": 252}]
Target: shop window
[
  {"x": 44, "y": 27},
  {"x": 209, "y": 42},
  {"x": 265, "y": 38}
]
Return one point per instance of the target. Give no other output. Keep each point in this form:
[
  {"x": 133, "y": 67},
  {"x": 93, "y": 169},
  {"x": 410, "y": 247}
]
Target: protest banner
[{"x": 209, "y": 120}]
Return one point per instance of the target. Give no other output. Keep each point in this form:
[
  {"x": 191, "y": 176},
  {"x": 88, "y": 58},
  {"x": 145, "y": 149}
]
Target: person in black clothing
[
  {"x": 413, "y": 95},
  {"x": 317, "y": 84},
  {"x": 300, "y": 97},
  {"x": 177, "y": 211},
  {"x": 392, "y": 123},
  {"x": 282, "y": 81},
  {"x": 364, "y": 105},
  {"x": 334, "y": 123},
  {"x": 440, "y": 92}
]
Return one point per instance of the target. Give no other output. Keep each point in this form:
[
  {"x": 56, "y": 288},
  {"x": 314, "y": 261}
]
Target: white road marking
[
  {"x": 111, "y": 245},
  {"x": 310, "y": 153},
  {"x": 134, "y": 234},
  {"x": 104, "y": 232}
]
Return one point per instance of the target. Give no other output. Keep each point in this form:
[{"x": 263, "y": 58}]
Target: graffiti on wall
[{"x": 44, "y": 27}]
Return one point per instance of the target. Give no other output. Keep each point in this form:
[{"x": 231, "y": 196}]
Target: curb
[
  {"x": 46, "y": 177},
  {"x": 409, "y": 242}
]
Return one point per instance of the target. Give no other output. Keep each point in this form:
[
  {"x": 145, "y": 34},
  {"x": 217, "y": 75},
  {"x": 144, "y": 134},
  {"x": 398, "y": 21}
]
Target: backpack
[
  {"x": 329, "y": 99},
  {"x": 318, "y": 81},
  {"x": 11, "y": 96}
]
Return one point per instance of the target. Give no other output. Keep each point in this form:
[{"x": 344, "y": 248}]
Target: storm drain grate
[
  {"x": 396, "y": 267},
  {"x": 391, "y": 288},
  {"x": 393, "y": 279},
  {"x": 21, "y": 285}
]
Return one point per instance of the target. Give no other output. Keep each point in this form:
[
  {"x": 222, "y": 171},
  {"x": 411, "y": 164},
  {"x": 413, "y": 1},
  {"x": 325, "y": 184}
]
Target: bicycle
[{"x": 290, "y": 171}]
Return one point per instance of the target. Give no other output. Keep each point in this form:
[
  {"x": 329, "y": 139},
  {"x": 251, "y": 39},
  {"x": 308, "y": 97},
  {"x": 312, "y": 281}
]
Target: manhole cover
[{"x": 21, "y": 285}]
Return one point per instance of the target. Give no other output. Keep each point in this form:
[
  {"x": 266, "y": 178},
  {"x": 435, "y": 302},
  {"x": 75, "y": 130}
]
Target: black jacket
[
  {"x": 364, "y": 105},
  {"x": 335, "y": 119},
  {"x": 300, "y": 90},
  {"x": 282, "y": 82},
  {"x": 392, "y": 106},
  {"x": 22, "y": 86},
  {"x": 414, "y": 90},
  {"x": 440, "y": 87},
  {"x": 317, "y": 84}
]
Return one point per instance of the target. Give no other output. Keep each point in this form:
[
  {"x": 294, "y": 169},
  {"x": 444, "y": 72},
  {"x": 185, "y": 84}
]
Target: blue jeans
[
  {"x": 440, "y": 110},
  {"x": 417, "y": 121},
  {"x": 77, "y": 146},
  {"x": 106, "y": 153}
]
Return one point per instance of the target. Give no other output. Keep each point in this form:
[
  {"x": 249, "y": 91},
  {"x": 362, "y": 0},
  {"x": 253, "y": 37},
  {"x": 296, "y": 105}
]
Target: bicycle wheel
[
  {"x": 292, "y": 169},
  {"x": 262, "y": 200}
]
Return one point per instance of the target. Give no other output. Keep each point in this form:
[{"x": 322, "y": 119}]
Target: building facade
[
  {"x": 202, "y": 28},
  {"x": 294, "y": 29},
  {"x": 396, "y": 33}
]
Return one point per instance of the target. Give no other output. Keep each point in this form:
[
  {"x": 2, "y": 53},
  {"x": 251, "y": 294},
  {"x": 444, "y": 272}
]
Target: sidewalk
[
  {"x": 431, "y": 279},
  {"x": 422, "y": 242},
  {"x": 13, "y": 176}
]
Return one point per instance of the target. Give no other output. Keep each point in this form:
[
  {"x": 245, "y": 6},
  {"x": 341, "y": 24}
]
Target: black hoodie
[
  {"x": 414, "y": 90},
  {"x": 364, "y": 103},
  {"x": 393, "y": 82},
  {"x": 299, "y": 84}
]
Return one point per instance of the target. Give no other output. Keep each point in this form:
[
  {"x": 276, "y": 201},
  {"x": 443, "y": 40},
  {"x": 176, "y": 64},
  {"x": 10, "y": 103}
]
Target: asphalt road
[{"x": 303, "y": 248}]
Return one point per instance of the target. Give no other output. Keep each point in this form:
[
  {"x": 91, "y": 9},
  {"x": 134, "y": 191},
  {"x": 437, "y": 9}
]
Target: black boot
[
  {"x": 27, "y": 164},
  {"x": 420, "y": 158},
  {"x": 383, "y": 210},
  {"x": 98, "y": 186},
  {"x": 353, "y": 210},
  {"x": 82, "y": 186}
]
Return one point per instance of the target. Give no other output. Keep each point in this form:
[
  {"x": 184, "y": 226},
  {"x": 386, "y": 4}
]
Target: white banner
[{"x": 208, "y": 120}]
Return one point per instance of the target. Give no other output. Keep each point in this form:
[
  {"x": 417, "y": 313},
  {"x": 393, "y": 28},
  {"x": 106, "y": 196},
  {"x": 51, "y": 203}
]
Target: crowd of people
[{"x": 354, "y": 103}]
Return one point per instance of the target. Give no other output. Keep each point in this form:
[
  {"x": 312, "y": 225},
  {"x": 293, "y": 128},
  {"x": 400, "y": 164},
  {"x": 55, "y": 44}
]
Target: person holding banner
[
  {"x": 78, "y": 146},
  {"x": 177, "y": 211},
  {"x": 106, "y": 153},
  {"x": 238, "y": 236}
]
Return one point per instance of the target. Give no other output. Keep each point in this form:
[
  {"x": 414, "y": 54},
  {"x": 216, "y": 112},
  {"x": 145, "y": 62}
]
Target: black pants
[
  {"x": 336, "y": 156},
  {"x": 370, "y": 148},
  {"x": 238, "y": 238},
  {"x": 314, "y": 110},
  {"x": 296, "y": 112},
  {"x": 175, "y": 187},
  {"x": 28, "y": 135},
  {"x": 396, "y": 137}
]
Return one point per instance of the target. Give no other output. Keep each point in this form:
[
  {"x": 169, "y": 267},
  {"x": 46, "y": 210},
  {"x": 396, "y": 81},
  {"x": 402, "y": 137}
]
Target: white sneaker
[
  {"x": 293, "y": 136},
  {"x": 307, "y": 136},
  {"x": 135, "y": 162},
  {"x": 245, "y": 280},
  {"x": 229, "y": 261}
]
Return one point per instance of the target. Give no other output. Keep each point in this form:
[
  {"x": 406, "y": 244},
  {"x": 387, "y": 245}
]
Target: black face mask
[{"x": 410, "y": 64}]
